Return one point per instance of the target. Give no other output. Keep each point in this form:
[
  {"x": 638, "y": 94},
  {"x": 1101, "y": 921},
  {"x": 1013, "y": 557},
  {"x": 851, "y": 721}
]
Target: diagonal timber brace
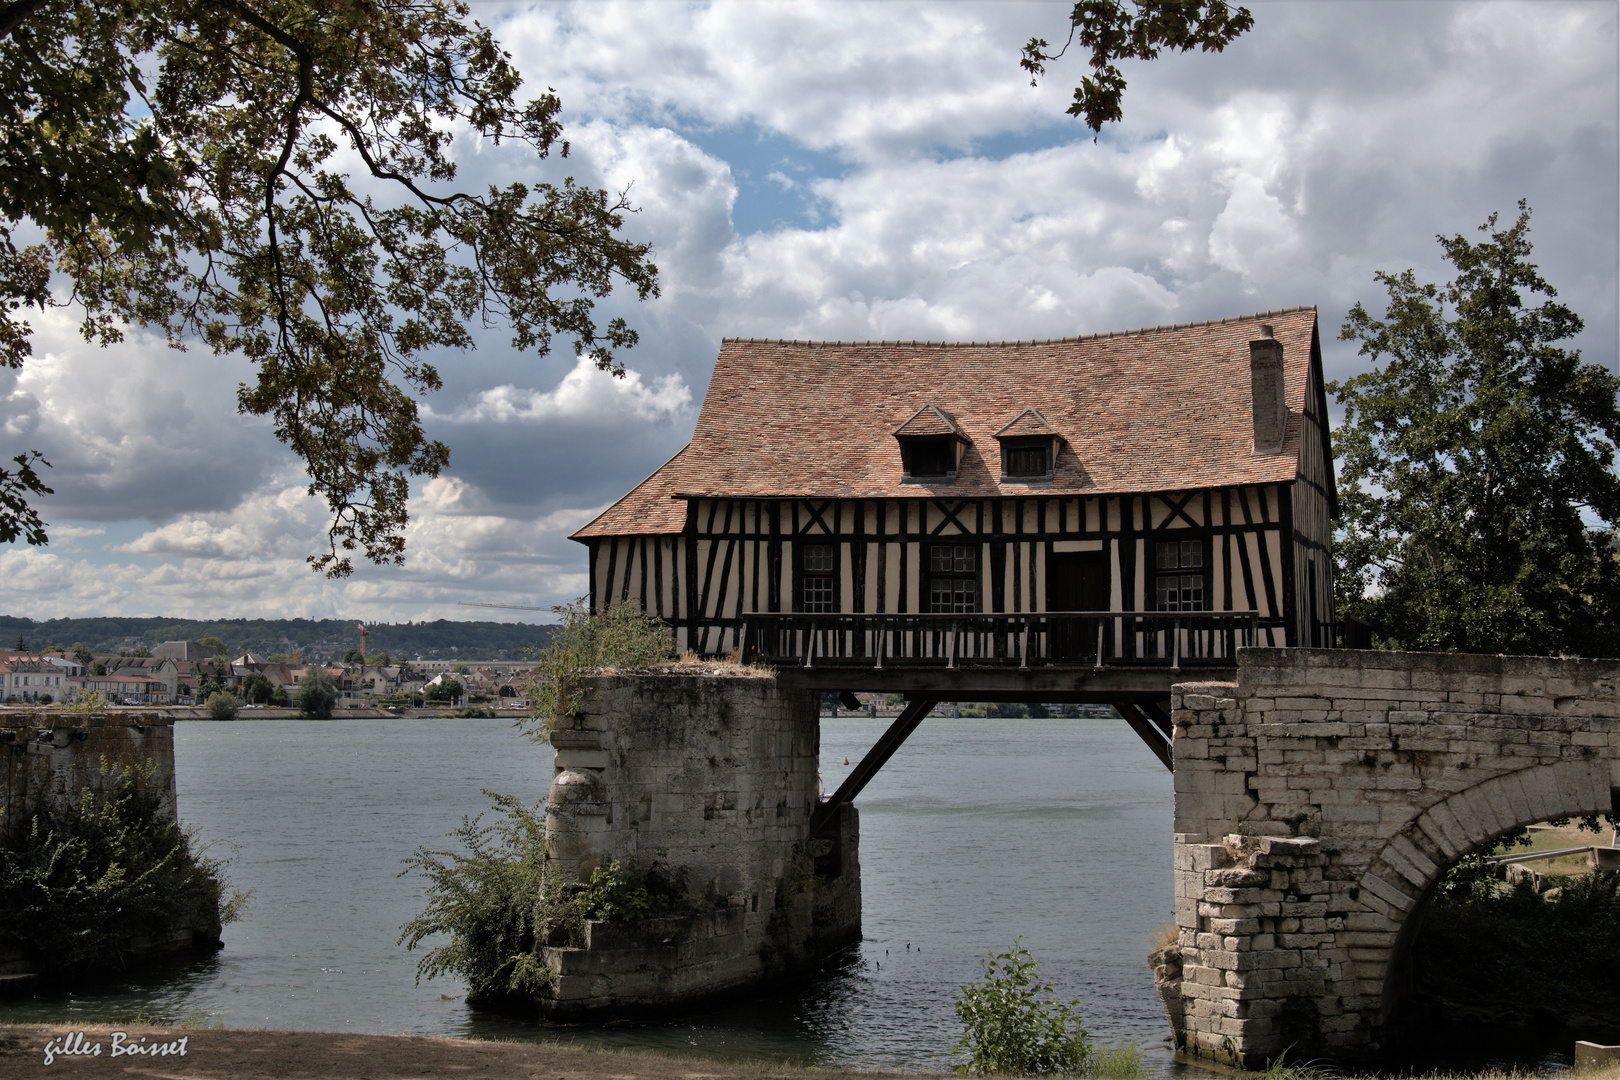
[
  {"x": 882, "y": 750},
  {"x": 1144, "y": 724}
]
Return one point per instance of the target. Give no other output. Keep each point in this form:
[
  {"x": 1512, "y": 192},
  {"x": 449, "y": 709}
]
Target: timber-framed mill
[{"x": 1082, "y": 519}]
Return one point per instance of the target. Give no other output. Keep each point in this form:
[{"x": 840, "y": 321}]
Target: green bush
[
  {"x": 222, "y": 705},
  {"x": 1011, "y": 1026},
  {"x": 85, "y": 880},
  {"x": 486, "y": 898}
]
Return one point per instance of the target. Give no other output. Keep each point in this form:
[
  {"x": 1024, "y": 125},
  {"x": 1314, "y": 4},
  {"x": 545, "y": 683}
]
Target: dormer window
[
  {"x": 1031, "y": 458},
  {"x": 931, "y": 445},
  {"x": 1029, "y": 448},
  {"x": 932, "y": 457}
]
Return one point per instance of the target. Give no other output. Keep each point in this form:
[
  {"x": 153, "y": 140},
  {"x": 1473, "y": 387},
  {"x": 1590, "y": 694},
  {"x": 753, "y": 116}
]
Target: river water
[{"x": 977, "y": 833}]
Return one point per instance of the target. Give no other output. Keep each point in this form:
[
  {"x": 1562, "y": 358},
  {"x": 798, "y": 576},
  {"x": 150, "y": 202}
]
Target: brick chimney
[{"x": 1266, "y": 382}]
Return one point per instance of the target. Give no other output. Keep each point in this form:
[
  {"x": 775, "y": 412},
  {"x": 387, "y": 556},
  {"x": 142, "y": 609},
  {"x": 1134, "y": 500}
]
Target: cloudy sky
[{"x": 847, "y": 170}]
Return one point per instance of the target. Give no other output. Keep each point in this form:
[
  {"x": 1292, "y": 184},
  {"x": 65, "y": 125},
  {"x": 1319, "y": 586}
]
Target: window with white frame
[
  {"x": 1179, "y": 584},
  {"x": 953, "y": 578},
  {"x": 818, "y": 578}
]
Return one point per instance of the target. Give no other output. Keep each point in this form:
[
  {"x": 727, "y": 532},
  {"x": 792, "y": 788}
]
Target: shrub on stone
[
  {"x": 622, "y": 637},
  {"x": 86, "y": 879},
  {"x": 484, "y": 897},
  {"x": 493, "y": 900}
]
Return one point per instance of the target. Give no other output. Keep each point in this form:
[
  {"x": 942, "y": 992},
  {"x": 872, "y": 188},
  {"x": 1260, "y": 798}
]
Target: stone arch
[{"x": 1402, "y": 876}]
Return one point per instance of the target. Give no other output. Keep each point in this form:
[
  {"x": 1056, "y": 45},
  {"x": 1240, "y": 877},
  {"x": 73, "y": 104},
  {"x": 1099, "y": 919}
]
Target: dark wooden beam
[
  {"x": 1077, "y": 684},
  {"x": 882, "y": 750},
  {"x": 1148, "y": 732}
]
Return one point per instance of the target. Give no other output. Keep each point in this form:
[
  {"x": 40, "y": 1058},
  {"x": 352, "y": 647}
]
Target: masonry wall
[
  {"x": 715, "y": 776},
  {"x": 51, "y": 758},
  {"x": 1318, "y": 801}
]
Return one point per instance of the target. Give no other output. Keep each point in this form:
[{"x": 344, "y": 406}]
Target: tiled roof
[{"x": 1159, "y": 409}]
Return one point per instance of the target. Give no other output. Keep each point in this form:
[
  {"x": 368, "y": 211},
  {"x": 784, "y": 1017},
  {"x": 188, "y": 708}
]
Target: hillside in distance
[{"x": 320, "y": 639}]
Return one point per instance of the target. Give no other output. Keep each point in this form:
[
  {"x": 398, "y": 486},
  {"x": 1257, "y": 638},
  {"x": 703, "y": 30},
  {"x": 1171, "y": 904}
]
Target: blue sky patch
[{"x": 773, "y": 175}]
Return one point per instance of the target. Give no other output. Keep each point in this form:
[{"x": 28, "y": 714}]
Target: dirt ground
[
  {"x": 245, "y": 1054},
  {"x": 248, "y": 1054}
]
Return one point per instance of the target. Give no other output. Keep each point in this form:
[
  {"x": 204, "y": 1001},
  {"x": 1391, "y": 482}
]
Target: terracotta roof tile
[{"x": 1159, "y": 409}]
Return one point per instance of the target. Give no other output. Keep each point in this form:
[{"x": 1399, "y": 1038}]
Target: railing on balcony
[{"x": 1173, "y": 639}]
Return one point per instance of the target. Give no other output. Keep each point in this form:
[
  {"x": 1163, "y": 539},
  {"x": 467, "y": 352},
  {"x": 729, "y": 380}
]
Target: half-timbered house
[{"x": 1147, "y": 497}]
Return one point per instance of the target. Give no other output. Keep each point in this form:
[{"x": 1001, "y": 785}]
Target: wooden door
[{"x": 1076, "y": 581}]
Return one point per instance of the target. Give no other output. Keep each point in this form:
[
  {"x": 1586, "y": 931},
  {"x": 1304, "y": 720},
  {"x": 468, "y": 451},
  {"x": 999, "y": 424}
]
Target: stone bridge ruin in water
[{"x": 1319, "y": 796}]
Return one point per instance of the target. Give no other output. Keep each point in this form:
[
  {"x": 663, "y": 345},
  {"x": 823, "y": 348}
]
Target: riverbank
[{"x": 259, "y": 1054}]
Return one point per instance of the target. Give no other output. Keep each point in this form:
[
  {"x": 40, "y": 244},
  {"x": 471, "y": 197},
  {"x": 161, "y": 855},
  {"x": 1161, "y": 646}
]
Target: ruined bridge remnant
[
  {"x": 715, "y": 776},
  {"x": 1319, "y": 799}
]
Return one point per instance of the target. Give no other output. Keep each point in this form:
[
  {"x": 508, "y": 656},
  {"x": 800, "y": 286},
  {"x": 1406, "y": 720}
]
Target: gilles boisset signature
[{"x": 74, "y": 1044}]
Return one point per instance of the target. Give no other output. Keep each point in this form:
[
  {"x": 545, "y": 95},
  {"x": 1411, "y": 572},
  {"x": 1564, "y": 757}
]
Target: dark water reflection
[{"x": 976, "y": 833}]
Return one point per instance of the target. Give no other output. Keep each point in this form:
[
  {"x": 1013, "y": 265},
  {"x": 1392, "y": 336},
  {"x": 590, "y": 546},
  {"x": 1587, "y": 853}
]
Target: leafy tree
[
  {"x": 1478, "y": 491},
  {"x": 181, "y": 163},
  {"x": 82, "y": 652},
  {"x": 257, "y": 690},
  {"x": 17, "y": 516},
  {"x": 222, "y": 705},
  {"x": 98, "y": 668},
  {"x": 1133, "y": 30},
  {"x": 354, "y": 656},
  {"x": 317, "y": 693},
  {"x": 22, "y": 644},
  {"x": 448, "y": 690},
  {"x": 295, "y": 657}
]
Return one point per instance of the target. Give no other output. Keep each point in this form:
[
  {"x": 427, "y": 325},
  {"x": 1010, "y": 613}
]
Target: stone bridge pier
[{"x": 1319, "y": 799}]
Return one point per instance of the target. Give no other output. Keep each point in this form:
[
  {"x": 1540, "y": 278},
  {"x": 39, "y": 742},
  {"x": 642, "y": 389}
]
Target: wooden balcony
[{"x": 1172, "y": 640}]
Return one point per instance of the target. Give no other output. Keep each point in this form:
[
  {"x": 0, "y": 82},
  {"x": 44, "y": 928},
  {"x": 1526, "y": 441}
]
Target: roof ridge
[{"x": 1032, "y": 341}]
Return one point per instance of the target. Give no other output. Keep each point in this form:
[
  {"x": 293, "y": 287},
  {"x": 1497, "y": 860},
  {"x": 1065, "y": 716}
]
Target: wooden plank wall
[{"x": 738, "y": 556}]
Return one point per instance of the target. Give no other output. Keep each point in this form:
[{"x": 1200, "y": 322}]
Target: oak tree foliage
[
  {"x": 276, "y": 179},
  {"x": 1133, "y": 30},
  {"x": 1478, "y": 490}
]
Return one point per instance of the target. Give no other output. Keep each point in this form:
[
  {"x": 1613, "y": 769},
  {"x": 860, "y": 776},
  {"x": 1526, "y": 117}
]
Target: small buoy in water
[{"x": 846, "y": 761}]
